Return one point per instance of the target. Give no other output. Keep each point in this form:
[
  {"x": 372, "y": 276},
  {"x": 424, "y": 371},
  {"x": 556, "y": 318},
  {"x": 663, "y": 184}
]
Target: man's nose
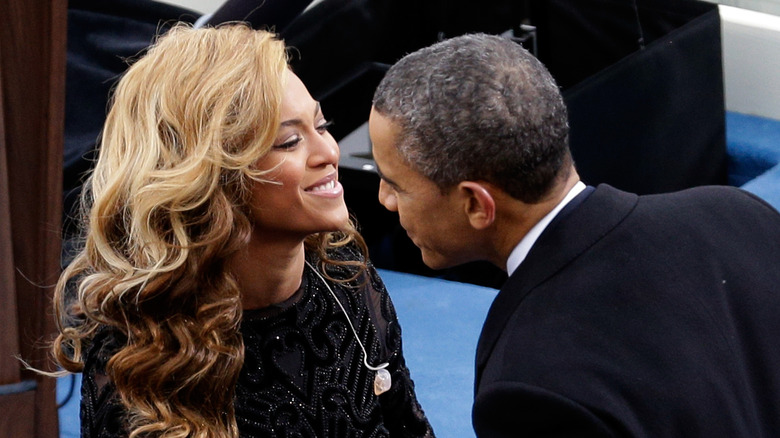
[{"x": 387, "y": 197}]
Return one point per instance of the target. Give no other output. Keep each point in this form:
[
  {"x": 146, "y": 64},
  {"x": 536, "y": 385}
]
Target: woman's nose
[{"x": 325, "y": 150}]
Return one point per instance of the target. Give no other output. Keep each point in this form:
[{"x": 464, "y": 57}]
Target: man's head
[
  {"x": 459, "y": 127},
  {"x": 478, "y": 107}
]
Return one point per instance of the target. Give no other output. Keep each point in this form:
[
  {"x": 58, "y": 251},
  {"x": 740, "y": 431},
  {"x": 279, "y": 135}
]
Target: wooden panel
[
  {"x": 9, "y": 339},
  {"x": 32, "y": 61},
  {"x": 17, "y": 419},
  {"x": 33, "y": 64}
]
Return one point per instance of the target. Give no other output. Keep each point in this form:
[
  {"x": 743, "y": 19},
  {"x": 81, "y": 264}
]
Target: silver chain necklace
[{"x": 382, "y": 379}]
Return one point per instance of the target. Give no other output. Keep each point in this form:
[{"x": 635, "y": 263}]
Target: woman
[{"x": 221, "y": 289}]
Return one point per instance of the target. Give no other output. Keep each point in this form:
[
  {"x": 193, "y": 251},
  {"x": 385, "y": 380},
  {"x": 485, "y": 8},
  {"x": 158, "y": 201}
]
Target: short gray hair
[{"x": 478, "y": 107}]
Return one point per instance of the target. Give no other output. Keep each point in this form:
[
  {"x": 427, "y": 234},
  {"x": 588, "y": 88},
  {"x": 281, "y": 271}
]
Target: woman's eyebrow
[{"x": 294, "y": 122}]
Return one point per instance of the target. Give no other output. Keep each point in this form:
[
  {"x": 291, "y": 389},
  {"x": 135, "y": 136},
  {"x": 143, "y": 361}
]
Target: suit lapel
[{"x": 587, "y": 219}]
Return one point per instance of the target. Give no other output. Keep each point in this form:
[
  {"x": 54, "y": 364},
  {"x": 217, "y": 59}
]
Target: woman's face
[{"x": 306, "y": 196}]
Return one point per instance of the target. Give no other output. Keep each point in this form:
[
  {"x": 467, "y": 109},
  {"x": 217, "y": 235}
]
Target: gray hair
[{"x": 478, "y": 107}]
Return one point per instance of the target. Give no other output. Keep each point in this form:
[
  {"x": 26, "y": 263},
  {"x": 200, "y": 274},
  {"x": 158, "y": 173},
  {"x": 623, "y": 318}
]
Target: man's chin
[{"x": 436, "y": 261}]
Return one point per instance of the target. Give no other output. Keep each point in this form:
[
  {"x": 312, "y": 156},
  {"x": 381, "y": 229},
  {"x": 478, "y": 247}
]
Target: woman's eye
[
  {"x": 289, "y": 144},
  {"x": 324, "y": 127}
]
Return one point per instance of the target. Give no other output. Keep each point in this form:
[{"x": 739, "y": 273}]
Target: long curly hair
[{"x": 165, "y": 206}]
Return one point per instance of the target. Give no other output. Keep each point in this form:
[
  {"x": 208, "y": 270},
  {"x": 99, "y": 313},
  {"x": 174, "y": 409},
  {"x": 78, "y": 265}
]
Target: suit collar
[
  {"x": 587, "y": 218},
  {"x": 521, "y": 250}
]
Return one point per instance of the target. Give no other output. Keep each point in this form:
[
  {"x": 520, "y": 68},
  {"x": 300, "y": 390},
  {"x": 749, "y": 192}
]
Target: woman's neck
[{"x": 268, "y": 272}]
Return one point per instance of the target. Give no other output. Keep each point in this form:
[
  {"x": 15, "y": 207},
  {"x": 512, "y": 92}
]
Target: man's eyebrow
[{"x": 385, "y": 178}]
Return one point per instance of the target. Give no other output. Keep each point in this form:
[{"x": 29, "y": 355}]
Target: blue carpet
[
  {"x": 766, "y": 186},
  {"x": 441, "y": 322}
]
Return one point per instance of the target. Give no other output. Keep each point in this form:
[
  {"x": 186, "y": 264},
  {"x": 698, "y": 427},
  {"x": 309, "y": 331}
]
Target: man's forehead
[
  {"x": 387, "y": 164},
  {"x": 384, "y": 135}
]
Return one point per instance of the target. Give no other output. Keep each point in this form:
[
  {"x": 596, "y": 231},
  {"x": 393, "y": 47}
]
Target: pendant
[{"x": 382, "y": 381}]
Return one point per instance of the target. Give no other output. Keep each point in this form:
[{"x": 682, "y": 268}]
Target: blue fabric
[{"x": 753, "y": 145}]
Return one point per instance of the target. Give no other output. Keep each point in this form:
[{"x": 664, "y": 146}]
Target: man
[{"x": 623, "y": 315}]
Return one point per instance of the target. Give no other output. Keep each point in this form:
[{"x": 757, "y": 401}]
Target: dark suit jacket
[{"x": 642, "y": 316}]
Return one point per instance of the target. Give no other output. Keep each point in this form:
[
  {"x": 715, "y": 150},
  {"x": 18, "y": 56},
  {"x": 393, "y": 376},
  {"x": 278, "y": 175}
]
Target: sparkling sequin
[{"x": 303, "y": 371}]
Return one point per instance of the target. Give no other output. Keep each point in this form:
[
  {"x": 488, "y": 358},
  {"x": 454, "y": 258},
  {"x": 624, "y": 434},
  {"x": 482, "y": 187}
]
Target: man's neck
[{"x": 516, "y": 218}]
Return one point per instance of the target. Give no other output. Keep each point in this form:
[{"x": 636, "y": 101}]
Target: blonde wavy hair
[{"x": 165, "y": 206}]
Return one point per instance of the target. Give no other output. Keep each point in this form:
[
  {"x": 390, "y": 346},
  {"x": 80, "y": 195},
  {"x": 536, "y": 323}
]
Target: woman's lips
[{"x": 328, "y": 186}]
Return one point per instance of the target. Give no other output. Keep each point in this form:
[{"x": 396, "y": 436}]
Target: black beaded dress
[{"x": 303, "y": 374}]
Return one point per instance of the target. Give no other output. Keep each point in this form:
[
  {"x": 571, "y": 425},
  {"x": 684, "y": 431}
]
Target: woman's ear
[{"x": 479, "y": 205}]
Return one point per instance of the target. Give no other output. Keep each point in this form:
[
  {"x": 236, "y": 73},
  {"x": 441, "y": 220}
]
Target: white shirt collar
[{"x": 521, "y": 250}]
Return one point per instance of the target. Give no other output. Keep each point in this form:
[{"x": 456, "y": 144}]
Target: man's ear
[{"x": 479, "y": 205}]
